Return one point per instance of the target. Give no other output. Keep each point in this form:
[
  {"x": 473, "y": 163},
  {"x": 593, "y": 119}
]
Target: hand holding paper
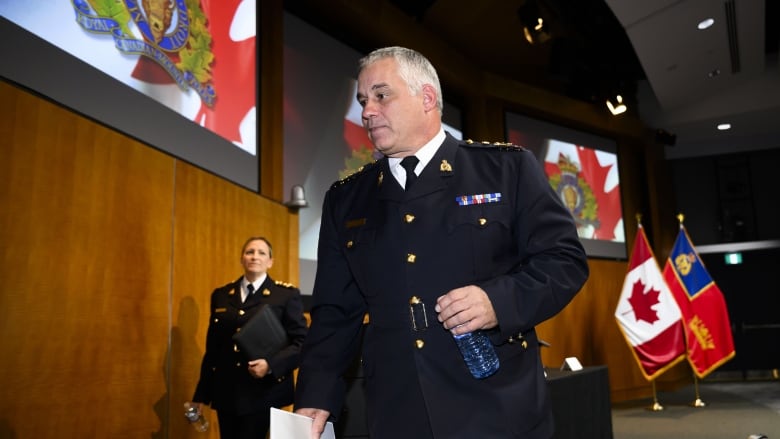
[{"x": 288, "y": 425}]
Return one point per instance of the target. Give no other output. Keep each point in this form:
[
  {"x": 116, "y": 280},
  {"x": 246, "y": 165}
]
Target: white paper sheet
[{"x": 288, "y": 425}]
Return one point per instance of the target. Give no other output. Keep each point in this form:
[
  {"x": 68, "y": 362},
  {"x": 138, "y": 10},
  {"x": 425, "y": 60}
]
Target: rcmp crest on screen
[
  {"x": 576, "y": 195},
  {"x": 174, "y": 35}
]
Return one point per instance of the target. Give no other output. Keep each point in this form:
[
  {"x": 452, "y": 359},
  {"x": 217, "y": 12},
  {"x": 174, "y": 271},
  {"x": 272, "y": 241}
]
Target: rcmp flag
[
  {"x": 705, "y": 317},
  {"x": 648, "y": 315}
]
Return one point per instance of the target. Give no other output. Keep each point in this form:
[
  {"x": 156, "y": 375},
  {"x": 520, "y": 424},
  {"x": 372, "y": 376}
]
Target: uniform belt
[{"x": 415, "y": 316}]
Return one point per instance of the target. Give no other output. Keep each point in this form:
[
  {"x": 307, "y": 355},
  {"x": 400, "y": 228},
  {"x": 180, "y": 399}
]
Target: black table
[{"x": 581, "y": 403}]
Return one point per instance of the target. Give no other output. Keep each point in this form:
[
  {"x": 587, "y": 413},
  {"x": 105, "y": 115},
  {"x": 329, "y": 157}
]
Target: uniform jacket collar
[
  {"x": 255, "y": 298},
  {"x": 434, "y": 177}
]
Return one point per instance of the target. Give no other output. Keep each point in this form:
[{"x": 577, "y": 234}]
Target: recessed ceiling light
[
  {"x": 704, "y": 24},
  {"x": 724, "y": 126}
]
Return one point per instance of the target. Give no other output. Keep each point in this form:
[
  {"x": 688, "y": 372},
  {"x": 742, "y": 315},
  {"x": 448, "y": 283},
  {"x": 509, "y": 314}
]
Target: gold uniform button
[
  {"x": 408, "y": 218},
  {"x": 235, "y": 348},
  {"x": 238, "y": 364},
  {"x": 241, "y": 312},
  {"x": 216, "y": 320},
  {"x": 482, "y": 221},
  {"x": 419, "y": 343},
  {"x": 525, "y": 344},
  {"x": 511, "y": 340},
  {"x": 350, "y": 244},
  {"x": 410, "y": 258}
]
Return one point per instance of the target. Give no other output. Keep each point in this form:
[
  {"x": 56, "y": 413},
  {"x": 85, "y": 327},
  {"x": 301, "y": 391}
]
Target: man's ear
[{"x": 429, "y": 97}]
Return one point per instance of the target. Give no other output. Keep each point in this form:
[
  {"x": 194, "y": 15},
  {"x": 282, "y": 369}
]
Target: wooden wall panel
[{"x": 84, "y": 296}]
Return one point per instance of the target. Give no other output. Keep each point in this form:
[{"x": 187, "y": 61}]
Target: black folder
[{"x": 262, "y": 336}]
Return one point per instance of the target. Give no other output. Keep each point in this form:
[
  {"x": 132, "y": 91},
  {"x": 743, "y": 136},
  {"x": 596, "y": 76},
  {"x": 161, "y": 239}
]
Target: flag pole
[
  {"x": 656, "y": 407},
  {"x": 697, "y": 403}
]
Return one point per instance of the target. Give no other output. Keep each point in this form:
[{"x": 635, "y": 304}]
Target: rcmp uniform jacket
[
  {"x": 477, "y": 214},
  {"x": 225, "y": 382}
]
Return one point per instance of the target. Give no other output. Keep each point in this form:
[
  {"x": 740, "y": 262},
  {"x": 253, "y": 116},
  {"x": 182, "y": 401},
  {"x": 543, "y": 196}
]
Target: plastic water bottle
[
  {"x": 196, "y": 418},
  {"x": 478, "y": 353}
]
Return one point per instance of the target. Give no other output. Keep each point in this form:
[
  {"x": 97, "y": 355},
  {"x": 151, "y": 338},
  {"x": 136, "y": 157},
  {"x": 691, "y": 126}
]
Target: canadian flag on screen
[{"x": 648, "y": 315}]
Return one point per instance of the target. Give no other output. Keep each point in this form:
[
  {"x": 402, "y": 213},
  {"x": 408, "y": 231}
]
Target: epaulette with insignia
[
  {"x": 355, "y": 174},
  {"x": 501, "y": 146},
  {"x": 284, "y": 284}
]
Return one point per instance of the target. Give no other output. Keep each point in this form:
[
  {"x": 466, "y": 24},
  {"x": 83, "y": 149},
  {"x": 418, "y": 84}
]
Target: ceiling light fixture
[
  {"x": 538, "y": 33},
  {"x": 535, "y": 29},
  {"x": 706, "y": 23},
  {"x": 618, "y": 108},
  {"x": 724, "y": 126}
]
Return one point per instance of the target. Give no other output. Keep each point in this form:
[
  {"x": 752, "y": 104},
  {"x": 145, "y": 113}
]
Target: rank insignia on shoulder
[
  {"x": 281, "y": 284},
  {"x": 266, "y": 292},
  {"x": 503, "y": 146},
  {"x": 445, "y": 166},
  {"x": 354, "y": 174}
]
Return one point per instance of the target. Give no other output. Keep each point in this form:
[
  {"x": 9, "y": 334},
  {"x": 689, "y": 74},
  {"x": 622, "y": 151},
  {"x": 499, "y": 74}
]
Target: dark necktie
[
  {"x": 409, "y": 163},
  {"x": 250, "y": 289}
]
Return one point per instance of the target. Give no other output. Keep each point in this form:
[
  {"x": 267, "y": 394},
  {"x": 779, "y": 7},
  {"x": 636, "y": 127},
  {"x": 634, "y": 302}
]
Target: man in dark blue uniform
[
  {"x": 478, "y": 242},
  {"x": 242, "y": 390}
]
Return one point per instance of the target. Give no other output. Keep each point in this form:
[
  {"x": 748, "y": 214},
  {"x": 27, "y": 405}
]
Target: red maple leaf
[
  {"x": 608, "y": 203},
  {"x": 642, "y": 302}
]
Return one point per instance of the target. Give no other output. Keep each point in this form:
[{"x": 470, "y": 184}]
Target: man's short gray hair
[{"x": 414, "y": 68}]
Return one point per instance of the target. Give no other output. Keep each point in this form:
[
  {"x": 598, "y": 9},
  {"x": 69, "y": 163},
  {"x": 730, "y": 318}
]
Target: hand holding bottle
[
  {"x": 193, "y": 413},
  {"x": 469, "y": 309}
]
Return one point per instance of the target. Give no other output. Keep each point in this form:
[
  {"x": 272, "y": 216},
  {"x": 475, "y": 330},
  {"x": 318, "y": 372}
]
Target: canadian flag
[{"x": 648, "y": 314}]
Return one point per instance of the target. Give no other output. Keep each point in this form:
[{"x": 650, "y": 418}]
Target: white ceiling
[{"x": 680, "y": 97}]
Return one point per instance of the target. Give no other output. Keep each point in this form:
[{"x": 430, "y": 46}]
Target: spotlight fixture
[
  {"x": 535, "y": 30},
  {"x": 618, "y": 108}
]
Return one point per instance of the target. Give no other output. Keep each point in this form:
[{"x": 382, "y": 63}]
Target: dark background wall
[{"x": 729, "y": 197}]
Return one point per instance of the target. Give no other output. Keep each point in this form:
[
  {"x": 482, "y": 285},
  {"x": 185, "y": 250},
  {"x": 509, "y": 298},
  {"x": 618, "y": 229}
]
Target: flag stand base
[
  {"x": 656, "y": 407},
  {"x": 697, "y": 403}
]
